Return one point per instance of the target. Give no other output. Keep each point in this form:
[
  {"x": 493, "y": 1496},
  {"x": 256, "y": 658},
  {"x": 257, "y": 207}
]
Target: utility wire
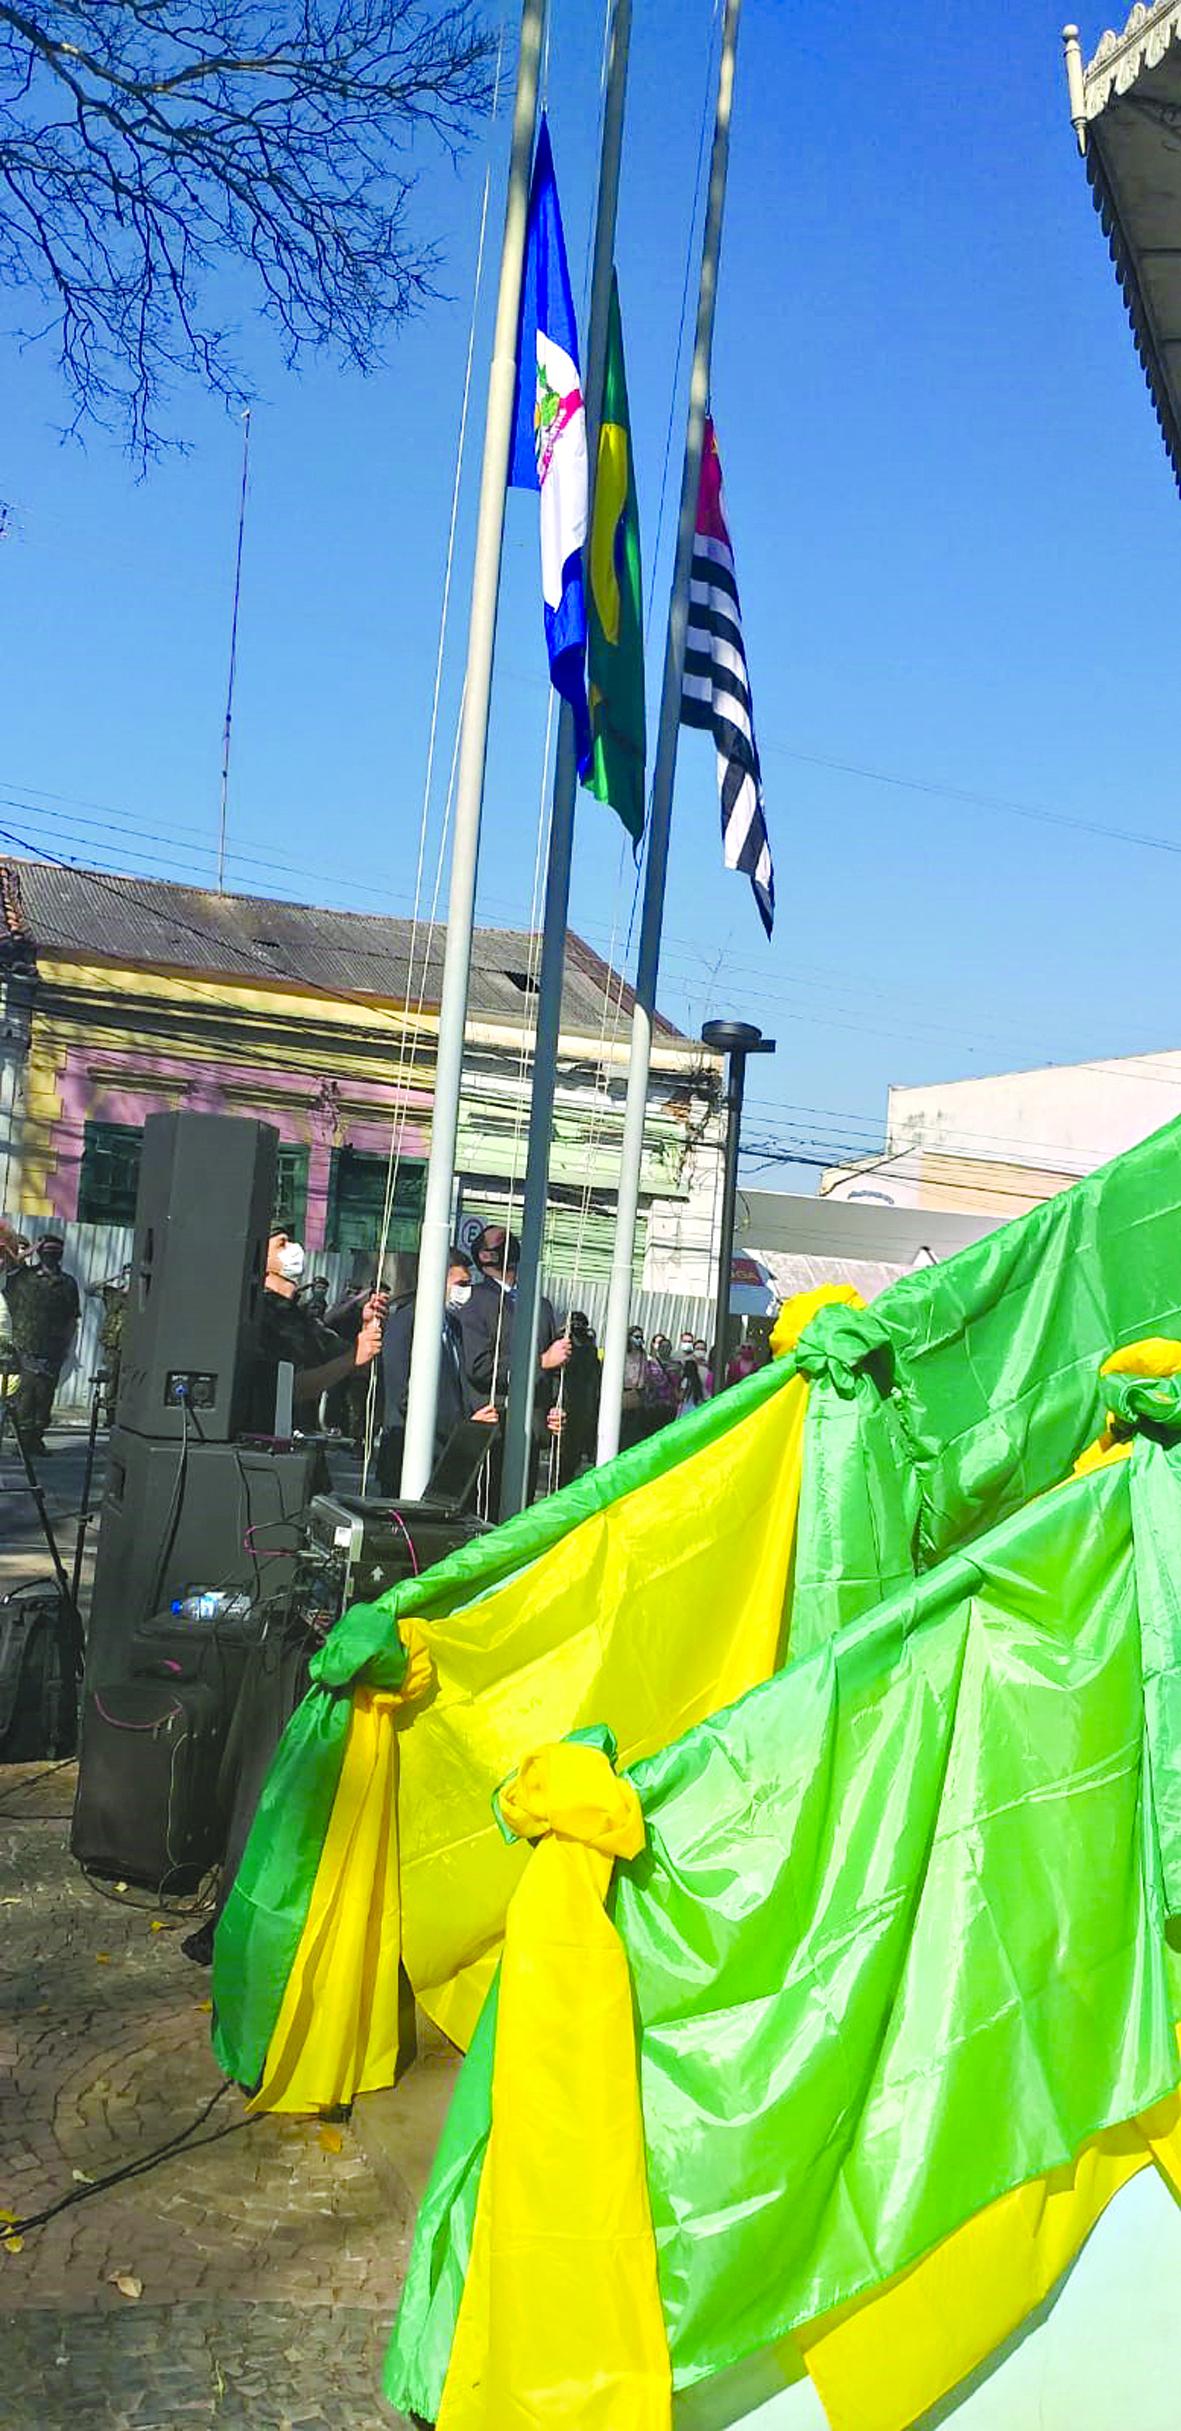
[{"x": 233, "y": 668}]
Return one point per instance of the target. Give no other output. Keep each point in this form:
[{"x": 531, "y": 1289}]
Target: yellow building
[{"x": 120, "y": 996}]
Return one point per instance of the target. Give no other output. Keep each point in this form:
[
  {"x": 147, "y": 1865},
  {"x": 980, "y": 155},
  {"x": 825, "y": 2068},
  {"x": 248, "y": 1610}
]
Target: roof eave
[{"x": 1103, "y": 99}]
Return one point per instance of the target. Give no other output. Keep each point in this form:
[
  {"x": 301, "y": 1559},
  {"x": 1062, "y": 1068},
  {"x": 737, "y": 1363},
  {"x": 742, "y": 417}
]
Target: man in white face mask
[
  {"x": 293, "y": 1335},
  {"x": 455, "y": 1396}
]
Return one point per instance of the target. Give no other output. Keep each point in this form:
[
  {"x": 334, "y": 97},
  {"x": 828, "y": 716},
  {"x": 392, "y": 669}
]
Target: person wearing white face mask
[
  {"x": 291, "y": 1334},
  {"x": 455, "y": 1398}
]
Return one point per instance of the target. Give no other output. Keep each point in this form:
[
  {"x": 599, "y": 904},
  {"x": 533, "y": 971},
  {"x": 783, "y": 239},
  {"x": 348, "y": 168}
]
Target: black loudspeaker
[
  {"x": 147, "y": 1809},
  {"x": 184, "y": 1515},
  {"x": 202, "y": 1217}
]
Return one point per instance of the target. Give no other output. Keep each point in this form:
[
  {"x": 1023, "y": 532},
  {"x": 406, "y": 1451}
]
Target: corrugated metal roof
[{"x": 187, "y": 928}]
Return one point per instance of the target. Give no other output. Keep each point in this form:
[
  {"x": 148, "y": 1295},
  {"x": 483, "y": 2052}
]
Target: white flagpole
[
  {"x": 639, "y": 1064},
  {"x": 423, "y": 1396},
  {"x": 519, "y": 1426}
]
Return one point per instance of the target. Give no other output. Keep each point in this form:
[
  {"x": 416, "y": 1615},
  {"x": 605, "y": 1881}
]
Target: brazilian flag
[{"x": 615, "y": 618}]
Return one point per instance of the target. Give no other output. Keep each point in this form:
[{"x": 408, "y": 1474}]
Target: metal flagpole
[
  {"x": 423, "y": 1393},
  {"x": 522, "y": 1372},
  {"x": 619, "y": 1298}
]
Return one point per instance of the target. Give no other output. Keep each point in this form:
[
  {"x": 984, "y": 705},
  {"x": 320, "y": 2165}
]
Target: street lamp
[{"x": 737, "y": 1040}]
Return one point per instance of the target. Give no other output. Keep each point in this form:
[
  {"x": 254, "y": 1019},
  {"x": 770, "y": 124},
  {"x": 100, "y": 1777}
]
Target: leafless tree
[{"x": 151, "y": 149}]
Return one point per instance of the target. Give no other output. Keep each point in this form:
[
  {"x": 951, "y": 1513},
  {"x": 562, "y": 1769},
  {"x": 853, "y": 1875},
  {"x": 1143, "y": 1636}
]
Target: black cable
[
  {"x": 175, "y": 1502},
  {"x": 133, "y": 2169},
  {"x": 10, "y": 1806},
  {"x": 202, "y": 1902}
]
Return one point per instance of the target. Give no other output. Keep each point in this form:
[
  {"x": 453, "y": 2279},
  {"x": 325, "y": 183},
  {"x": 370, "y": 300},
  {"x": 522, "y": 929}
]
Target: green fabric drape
[
  {"x": 996, "y": 1351},
  {"x": 259, "y": 1931},
  {"x": 898, "y": 1937},
  {"x": 259, "y": 1928}
]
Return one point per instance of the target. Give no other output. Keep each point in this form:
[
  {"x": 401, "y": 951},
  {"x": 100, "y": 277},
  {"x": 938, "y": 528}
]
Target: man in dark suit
[
  {"x": 456, "y": 1399},
  {"x": 486, "y": 1327}
]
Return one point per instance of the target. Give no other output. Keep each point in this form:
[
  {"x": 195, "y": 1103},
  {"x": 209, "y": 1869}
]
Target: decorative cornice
[{"x": 1120, "y": 59}]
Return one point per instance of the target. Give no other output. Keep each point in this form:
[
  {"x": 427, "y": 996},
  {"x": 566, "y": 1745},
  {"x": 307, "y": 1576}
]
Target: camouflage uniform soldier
[
  {"x": 113, "y": 1295},
  {"x": 43, "y": 1307}
]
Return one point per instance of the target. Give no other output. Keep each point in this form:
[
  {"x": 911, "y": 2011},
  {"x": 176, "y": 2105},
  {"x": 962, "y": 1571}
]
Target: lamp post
[{"x": 737, "y": 1040}]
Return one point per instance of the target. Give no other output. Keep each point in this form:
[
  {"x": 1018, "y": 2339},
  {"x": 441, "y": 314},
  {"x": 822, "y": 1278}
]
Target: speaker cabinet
[
  {"x": 202, "y": 1219},
  {"x": 180, "y": 1515}
]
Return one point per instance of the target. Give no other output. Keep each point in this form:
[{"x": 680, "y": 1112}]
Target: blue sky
[{"x": 957, "y": 539}]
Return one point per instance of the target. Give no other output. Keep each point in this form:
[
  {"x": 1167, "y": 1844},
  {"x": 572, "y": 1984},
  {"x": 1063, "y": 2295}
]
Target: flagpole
[
  {"x": 423, "y": 1393},
  {"x": 660, "y": 821},
  {"x": 523, "y": 1369}
]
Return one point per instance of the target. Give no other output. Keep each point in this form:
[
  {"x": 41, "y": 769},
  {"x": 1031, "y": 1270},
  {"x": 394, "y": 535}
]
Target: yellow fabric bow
[
  {"x": 563, "y": 2329},
  {"x": 798, "y": 1312},
  {"x": 573, "y": 1791},
  {"x": 1155, "y": 1355}
]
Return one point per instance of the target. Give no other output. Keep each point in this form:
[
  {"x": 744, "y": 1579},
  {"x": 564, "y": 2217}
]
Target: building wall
[
  {"x": 945, "y": 1184},
  {"x": 113, "y": 1043},
  {"x": 1068, "y": 1118},
  {"x": 681, "y": 1249},
  {"x": 1003, "y": 1144}
]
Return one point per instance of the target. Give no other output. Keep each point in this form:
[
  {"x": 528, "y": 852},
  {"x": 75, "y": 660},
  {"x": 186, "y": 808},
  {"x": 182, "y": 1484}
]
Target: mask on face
[
  {"x": 291, "y": 1260},
  {"x": 458, "y": 1295},
  {"x": 686, "y": 1347}
]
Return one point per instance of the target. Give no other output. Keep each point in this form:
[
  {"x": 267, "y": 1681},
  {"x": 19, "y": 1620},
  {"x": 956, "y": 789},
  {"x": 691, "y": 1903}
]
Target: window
[
  {"x": 356, "y": 1202},
  {"x": 109, "y": 1177},
  {"x": 291, "y": 1184}
]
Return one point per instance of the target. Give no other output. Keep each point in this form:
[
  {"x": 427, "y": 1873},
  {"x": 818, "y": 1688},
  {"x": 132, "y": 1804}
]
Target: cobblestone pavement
[
  {"x": 268, "y": 2260},
  {"x": 23, "y": 1551}
]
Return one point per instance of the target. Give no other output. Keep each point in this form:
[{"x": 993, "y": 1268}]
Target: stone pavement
[{"x": 269, "y": 2253}]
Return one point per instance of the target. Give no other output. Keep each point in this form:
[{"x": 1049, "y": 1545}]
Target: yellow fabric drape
[
  {"x": 880, "y": 2363},
  {"x": 337, "y": 2032},
  {"x": 561, "y": 2323},
  {"x": 647, "y": 1617}
]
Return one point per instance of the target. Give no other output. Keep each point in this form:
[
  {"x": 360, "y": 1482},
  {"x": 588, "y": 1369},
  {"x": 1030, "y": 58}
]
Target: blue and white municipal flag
[{"x": 549, "y": 438}]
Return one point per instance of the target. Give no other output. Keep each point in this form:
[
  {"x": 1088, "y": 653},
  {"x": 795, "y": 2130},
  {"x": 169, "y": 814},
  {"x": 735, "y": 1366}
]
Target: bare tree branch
[{"x": 148, "y": 146}]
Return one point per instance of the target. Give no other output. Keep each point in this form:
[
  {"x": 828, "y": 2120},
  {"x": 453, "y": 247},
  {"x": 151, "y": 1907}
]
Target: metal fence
[{"x": 96, "y": 1254}]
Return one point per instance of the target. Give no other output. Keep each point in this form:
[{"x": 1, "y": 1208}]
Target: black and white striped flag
[{"x": 716, "y": 688}]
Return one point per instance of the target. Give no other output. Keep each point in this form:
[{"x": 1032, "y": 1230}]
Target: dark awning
[{"x": 1126, "y": 108}]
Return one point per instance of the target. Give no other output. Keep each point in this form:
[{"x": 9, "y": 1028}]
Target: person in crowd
[
  {"x": 486, "y": 1326},
  {"x": 696, "y": 1381},
  {"x": 113, "y": 1294},
  {"x": 455, "y": 1396},
  {"x": 13, "y": 1247},
  {"x": 744, "y": 1363},
  {"x": 662, "y": 1382},
  {"x": 579, "y": 1398},
  {"x": 633, "y": 1409},
  {"x": 314, "y": 1297},
  {"x": 43, "y": 1308},
  {"x": 292, "y": 1335}
]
